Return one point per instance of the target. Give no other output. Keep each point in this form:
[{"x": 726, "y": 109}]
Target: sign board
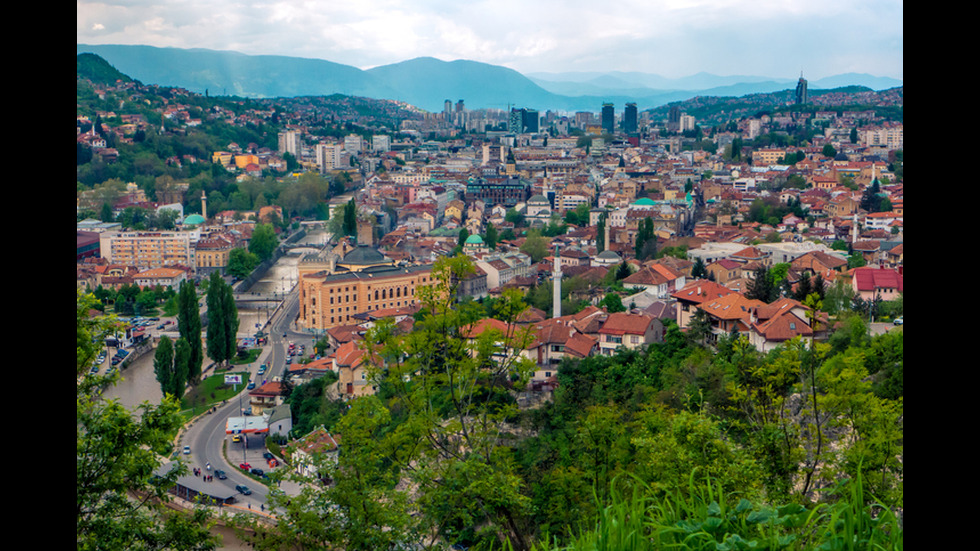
[{"x": 233, "y": 379}]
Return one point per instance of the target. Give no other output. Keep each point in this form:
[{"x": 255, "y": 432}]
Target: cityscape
[{"x": 352, "y": 323}]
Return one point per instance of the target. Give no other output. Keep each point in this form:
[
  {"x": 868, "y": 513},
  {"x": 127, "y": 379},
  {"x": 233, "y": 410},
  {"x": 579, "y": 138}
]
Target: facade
[
  {"x": 289, "y": 142},
  {"x": 632, "y": 331},
  {"x": 330, "y": 300},
  {"x": 608, "y": 118},
  {"x": 629, "y": 119},
  {"x": 801, "y": 93},
  {"x": 146, "y": 250},
  {"x": 496, "y": 191}
]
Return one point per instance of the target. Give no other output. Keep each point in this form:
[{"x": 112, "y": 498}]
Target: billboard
[{"x": 233, "y": 379}]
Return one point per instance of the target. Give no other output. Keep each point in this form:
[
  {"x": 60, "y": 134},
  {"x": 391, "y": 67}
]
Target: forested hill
[{"x": 97, "y": 70}]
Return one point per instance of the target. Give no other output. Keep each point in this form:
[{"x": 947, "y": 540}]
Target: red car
[{"x": 245, "y": 467}]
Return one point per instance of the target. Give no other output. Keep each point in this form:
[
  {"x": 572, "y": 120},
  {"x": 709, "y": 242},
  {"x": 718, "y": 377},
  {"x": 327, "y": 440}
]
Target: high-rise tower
[
  {"x": 608, "y": 118},
  {"x": 629, "y": 118},
  {"x": 801, "y": 90}
]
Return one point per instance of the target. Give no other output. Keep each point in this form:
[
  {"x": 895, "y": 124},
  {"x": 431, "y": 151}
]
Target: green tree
[
  {"x": 491, "y": 238},
  {"x": 117, "y": 455},
  {"x": 535, "y": 245},
  {"x": 612, "y": 303},
  {"x": 646, "y": 241},
  {"x": 350, "y": 218},
  {"x": 454, "y": 389},
  {"x": 222, "y": 320},
  {"x": 189, "y": 326},
  {"x": 163, "y": 365},
  {"x": 263, "y": 242},
  {"x": 241, "y": 263}
]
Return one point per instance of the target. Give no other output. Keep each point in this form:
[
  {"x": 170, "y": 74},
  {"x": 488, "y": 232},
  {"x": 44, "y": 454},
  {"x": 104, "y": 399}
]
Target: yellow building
[{"x": 329, "y": 300}]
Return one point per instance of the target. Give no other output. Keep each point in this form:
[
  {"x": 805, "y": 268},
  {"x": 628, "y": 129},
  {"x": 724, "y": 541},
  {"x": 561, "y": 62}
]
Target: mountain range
[{"x": 427, "y": 82}]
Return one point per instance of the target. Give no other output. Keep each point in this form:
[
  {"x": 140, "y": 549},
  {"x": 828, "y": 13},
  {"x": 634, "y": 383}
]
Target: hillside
[
  {"x": 423, "y": 82},
  {"x": 97, "y": 70}
]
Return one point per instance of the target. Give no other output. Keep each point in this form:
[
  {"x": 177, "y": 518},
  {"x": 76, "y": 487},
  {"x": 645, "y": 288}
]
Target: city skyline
[{"x": 674, "y": 39}]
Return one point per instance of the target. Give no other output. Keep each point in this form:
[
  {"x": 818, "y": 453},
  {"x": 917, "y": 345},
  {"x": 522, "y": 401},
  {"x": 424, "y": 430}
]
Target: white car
[{"x": 187, "y": 450}]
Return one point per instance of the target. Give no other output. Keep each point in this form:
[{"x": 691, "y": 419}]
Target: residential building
[
  {"x": 632, "y": 331},
  {"x": 145, "y": 249}
]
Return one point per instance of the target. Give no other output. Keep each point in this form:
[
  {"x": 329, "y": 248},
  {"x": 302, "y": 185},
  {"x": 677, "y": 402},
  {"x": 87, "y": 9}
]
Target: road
[{"x": 207, "y": 437}]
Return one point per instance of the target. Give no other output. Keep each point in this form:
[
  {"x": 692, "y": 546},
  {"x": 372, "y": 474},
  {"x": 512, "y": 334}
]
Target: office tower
[
  {"x": 608, "y": 118},
  {"x": 516, "y": 122},
  {"x": 674, "y": 119},
  {"x": 629, "y": 118},
  {"x": 801, "y": 90},
  {"x": 529, "y": 120}
]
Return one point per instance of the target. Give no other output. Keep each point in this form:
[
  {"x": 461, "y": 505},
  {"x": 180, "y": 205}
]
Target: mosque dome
[
  {"x": 474, "y": 239},
  {"x": 194, "y": 220}
]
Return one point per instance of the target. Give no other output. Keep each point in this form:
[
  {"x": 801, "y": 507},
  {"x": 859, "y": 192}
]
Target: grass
[
  {"x": 211, "y": 391},
  {"x": 705, "y": 517}
]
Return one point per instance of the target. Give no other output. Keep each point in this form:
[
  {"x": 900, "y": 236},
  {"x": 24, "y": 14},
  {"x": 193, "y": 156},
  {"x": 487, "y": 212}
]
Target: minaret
[
  {"x": 204, "y": 205},
  {"x": 556, "y": 286}
]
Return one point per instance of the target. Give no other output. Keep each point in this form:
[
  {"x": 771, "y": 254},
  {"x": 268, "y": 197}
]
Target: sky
[{"x": 672, "y": 38}]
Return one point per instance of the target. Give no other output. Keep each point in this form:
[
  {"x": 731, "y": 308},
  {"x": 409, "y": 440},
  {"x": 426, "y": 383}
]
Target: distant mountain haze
[{"x": 427, "y": 82}]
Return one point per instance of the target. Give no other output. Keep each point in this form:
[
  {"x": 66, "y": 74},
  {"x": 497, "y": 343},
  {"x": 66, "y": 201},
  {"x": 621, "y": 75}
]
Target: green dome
[
  {"x": 645, "y": 201},
  {"x": 474, "y": 240},
  {"x": 194, "y": 220}
]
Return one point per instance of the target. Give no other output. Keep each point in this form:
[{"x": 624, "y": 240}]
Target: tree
[
  {"x": 453, "y": 388},
  {"x": 350, "y": 218},
  {"x": 612, "y": 303},
  {"x": 535, "y": 245},
  {"x": 117, "y": 455},
  {"x": 222, "y": 333},
  {"x": 241, "y": 263},
  {"x": 699, "y": 270},
  {"x": 263, "y": 242},
  {"x": 491, "y": 238},
  {"x": 163, "y": 365},
  {"x": 646, "y": 240},
  {"x": 762, "y": 287},
  {"x": 189, "y": 326}
]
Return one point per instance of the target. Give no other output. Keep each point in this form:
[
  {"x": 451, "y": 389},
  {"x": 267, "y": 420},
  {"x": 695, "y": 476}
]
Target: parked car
[
  {"x": 236, "y": 438},
  {"x": 243, "y": 489},
  {"x": 244, "y": 466},
  {"x": 257, "y": 472},
  {"x": 262, "y": 369},
  {"x": 251, "y": 385},
  {"x": 899, "y": 320},
  {"x": 267, "y": 455}
]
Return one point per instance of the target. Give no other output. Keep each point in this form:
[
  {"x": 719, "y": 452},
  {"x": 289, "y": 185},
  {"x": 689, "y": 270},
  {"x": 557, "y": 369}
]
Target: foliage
[
  {"x": 189, "y": 326},
  {"x": 119, "y": 498},
  {"x": 222, "y": 331},
  {"x": 263, "y": 242},
  {"x": 241, "y": 262}
]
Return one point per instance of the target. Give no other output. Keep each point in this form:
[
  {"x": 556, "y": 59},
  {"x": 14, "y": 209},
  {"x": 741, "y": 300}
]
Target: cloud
[{"x": 672, "y": 37}]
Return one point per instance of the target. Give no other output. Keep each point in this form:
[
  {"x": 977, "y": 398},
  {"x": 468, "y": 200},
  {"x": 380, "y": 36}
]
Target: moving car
[
  {"x": 187, "y": 450},
  {"x": 220, "y": 474},
  {"x": 243, "y": 489}
]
